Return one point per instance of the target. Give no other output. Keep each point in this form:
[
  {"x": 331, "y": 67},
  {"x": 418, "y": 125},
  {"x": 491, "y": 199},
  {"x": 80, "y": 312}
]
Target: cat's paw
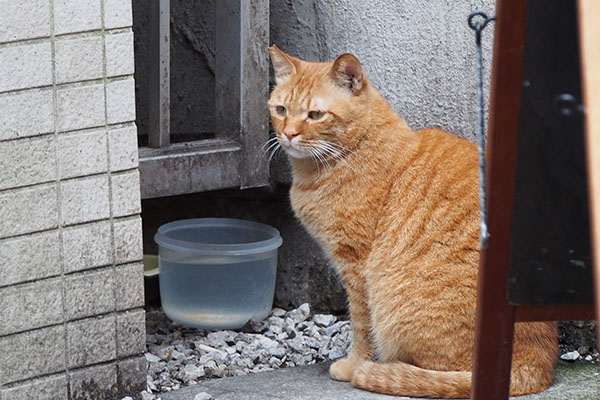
[{"x": 341, "y": 370}]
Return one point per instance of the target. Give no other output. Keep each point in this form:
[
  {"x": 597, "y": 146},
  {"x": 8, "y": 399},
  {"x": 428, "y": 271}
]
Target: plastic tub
[{"x": 217, "y": 273}]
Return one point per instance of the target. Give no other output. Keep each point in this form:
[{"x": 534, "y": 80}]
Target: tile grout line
[
  {"x": 65, "y": 85},
  {"x": 110, "y": 182},
  {"x": 72, "y": 225},
  {"x": 59, "y": 198},
  {"x": 56, "y": 374},
  {"x": 106, "y": 314},
  {"x": 48, "y": 183},
  {"x": 90, "y": 129},
  {"x": 96, "y": 268},
  {"x": 81, "y": 34}
]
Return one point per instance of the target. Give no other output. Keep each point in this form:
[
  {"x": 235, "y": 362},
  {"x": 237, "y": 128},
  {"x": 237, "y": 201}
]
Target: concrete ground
[{"x": 579, "y": 381}]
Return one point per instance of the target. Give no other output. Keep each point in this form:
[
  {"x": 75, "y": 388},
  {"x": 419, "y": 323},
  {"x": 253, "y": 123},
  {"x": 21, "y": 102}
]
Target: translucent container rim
[{"x": 262, "y": 246}]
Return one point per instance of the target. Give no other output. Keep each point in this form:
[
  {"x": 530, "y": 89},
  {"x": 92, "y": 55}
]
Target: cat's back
[
  {"x": 443, "y": 165},
  {"x": 433, "y": 204}
]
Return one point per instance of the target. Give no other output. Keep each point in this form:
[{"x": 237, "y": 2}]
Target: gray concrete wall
[{"x": 71, "y": 279}]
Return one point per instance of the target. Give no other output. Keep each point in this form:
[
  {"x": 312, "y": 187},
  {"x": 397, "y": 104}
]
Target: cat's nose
[{"x": 290, "y": 133}]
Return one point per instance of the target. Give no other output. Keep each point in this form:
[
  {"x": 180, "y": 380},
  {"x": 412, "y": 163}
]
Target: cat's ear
[
  {"x": 347, "y": 72},
  {"x": 283, "y": 65}
]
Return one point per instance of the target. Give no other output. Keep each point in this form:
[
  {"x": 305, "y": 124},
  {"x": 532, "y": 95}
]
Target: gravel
[{"x": 179, "y": 356}]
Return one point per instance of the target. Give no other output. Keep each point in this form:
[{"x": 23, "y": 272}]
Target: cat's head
[{"x": 315, "y": 105}]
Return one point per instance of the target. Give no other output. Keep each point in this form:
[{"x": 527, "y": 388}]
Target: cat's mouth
[{"x": 294, "y": 148}]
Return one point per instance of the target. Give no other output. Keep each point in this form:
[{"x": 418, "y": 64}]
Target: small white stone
[
  {"x": 324, "y": 320},
  {"x": 570, "y": 356},
  {"x": 275, "y": 362},
  {"x": 205, "y": 348},
  {"x": 203, "y": 396},
  {"x": 335, "y": 328},
  {"x": 277, "y": 351},
  {"x": 148, "y": 396},
  {"x": 152, "y": 358},
  {"x": 277, "y": 312},
  {"x": 336, "y": 353},
  {"x": 300, "y": 314}
]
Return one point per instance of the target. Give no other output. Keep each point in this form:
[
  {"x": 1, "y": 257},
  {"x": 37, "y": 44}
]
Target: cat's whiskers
[
  {"x": 271, "y": 146},
  {"x": 322, "y": 157},
  {"x": 277, "y": 148},
  {"x": 346, "y": 150},
  {"x": 265, "y": 148},
  {"x": 314, "y": 158},
  {"x": 319, "y": 154},
  {"x": 334, "y": 155},
  {"x": 336, "y": 152}
]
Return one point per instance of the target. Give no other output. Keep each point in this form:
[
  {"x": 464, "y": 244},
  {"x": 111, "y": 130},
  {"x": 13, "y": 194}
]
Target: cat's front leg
[{"x": 362, "y": 346}]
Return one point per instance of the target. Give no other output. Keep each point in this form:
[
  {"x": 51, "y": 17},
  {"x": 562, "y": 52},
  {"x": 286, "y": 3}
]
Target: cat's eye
[
  {"x": 316, "y": 115},
  {"x": 281, "y": 110}
]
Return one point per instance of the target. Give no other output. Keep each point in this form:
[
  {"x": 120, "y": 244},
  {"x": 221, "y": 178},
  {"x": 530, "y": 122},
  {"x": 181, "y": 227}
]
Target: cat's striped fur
[{"x": 397, "y": 210}]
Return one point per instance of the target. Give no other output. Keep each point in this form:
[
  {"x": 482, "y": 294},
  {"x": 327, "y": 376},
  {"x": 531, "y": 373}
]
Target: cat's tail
[{"x": 403, "y": 379}]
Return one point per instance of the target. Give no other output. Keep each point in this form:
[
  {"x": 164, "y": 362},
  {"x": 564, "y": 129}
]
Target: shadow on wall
[{"x": 303, "y": 273}]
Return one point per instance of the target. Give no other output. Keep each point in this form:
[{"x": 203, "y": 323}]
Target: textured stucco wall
[{"x": 72, "y": 324}]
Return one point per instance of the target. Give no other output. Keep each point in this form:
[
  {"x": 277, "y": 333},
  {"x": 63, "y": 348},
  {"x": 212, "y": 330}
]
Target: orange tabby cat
[{"x": 398, "y": 212}]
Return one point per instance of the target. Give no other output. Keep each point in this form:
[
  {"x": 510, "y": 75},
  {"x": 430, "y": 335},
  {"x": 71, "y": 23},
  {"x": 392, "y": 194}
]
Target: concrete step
[{"x": 578, "y": 381}]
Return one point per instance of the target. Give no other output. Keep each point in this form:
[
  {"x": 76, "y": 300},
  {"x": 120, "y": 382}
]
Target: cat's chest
[{"x": 317, "y": 211}]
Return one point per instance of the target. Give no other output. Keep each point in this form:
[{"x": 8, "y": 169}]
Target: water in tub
[{"x": 218, "y": 293}]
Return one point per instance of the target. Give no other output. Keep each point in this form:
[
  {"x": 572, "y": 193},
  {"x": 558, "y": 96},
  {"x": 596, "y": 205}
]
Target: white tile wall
[
  {"x": 120, "y": 101},
  {"x": 21, "y": 20},
  {"x": 126, "y": 193},
  {"x": 26, "y": 113},
  {"x": 30, "y": 257},
  {"x": 28, "y": 210},
  {"x": 78, "y": 59},
  {"x": 71, "y": 16},
  {"x": 27, "y": 161},
  {"x": 25, "y": 66},
  {"x": 117, "y": 14},
  {"x": 48, "y": 388},
  {"x": 70, "y": 231},
  {"x": 122, "y": 148},
  {"x": 80, "y": 107},
  {"x": 128, "y": 240},
  {"x": 82, "y": 153},
  {"x": 87, "y": 246},
  {"x": 119, "y": 54},
  {"x": 84, "y": 200}
]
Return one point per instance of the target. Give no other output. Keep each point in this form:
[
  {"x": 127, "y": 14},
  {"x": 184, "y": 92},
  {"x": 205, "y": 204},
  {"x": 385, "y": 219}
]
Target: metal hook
[{"x": 477, "y": 26}]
